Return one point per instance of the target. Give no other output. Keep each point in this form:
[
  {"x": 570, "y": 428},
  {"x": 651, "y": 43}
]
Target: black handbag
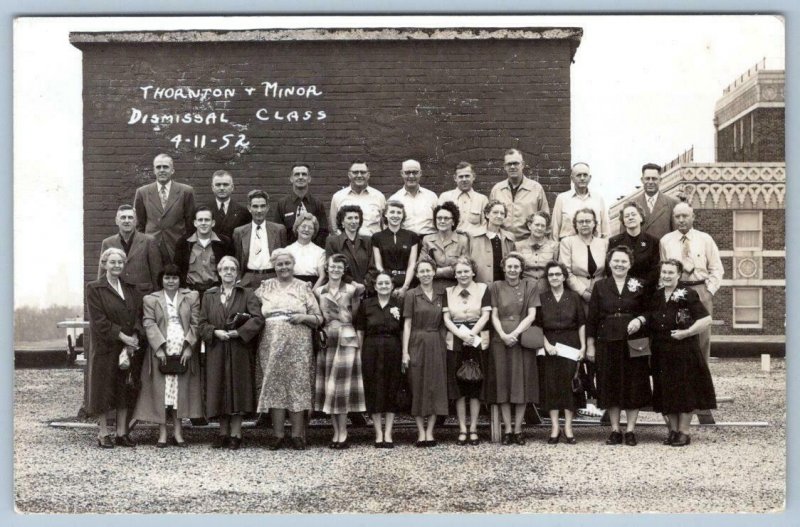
[
  {"x": 172, "y": 366},
  {"x": 639, "y": 347},
  {"x": 319, "y": 341},
  {"x": 236, "y": 320},
  {"x": 402, "y": 397},
  {"x": 469, "y": 371}
]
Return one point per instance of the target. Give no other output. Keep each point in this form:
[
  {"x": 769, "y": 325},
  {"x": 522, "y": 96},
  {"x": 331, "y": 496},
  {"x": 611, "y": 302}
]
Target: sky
[{"x": 643, "y": 89}]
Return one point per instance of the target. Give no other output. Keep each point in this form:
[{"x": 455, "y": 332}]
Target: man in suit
[
  {"x": 253, "y": 243},
  {"x": 144, "y": 258},
  {"x": 227, "y": 214},
  {"x": 657, "y": 206},
  {"x": 299, "y": 201},
  {"x": 164, "y": 208},
  {"x": 197, "y": 255}
]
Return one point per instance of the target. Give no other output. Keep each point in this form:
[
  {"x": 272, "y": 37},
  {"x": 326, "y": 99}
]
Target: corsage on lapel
[
  {"x": 634, "y": 285},
  {"x": 678, "y": 294}
]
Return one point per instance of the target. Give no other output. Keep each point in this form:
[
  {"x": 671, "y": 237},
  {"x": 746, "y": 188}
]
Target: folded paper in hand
[{"x": 568, "y": 352}]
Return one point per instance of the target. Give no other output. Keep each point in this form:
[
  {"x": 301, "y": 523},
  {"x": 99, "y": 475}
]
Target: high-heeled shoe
[
  {"x": 570, "y": 440},
  {"x": 124, "y": 440},
  {"x": 180, "y": 444},
  {"x": 474, "y": 440},
  {"x": 553, "y": 440},
  {"x": 105, "y": 442},
  {"x": 507, "y": 439},
  {"x": 462, "y": 439},
  {"x": 670, "y": 438},
  {"x": 614, "y": 439},
  {"x": 681, "y": 439}
]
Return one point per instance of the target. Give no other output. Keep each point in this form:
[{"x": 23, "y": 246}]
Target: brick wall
[
  {"x": 383, "y": 101},
  {"x": 768, "y": 133},
  {"x": 718, "y": 223},
  {"x": 774, "y": 312}
]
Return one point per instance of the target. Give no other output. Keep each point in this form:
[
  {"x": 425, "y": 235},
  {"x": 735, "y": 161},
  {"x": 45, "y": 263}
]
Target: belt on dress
[
  {"x": 692, "y": 282},
  {"x": 468, "y": 323}
]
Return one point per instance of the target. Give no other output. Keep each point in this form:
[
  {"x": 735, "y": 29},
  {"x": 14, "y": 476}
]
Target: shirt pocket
[{"x": 474, "y": 216}]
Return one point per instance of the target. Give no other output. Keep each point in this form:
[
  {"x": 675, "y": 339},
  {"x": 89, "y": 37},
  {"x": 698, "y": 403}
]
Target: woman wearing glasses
[{"x": 446, "y": 245}]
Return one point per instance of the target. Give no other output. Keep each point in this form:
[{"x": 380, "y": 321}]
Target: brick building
[
  {"x": 739, "y": 200},
  {"x": 254, "y": 102}
]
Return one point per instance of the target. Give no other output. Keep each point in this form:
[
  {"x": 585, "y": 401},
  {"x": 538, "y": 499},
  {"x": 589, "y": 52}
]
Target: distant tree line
[{"x": 33, "y": 324}]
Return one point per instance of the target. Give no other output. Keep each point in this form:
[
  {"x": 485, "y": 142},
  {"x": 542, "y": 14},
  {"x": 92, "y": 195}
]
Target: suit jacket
[
  {"x": 166, "y": 224},
  {"x": 572, "y": 253},
  {"x": 659, "y": 222},
  {"x": 480, "y": 250},
  {"x": 183, "y": 251},
  {"x": 150, "y": 404},
  {"x": 236, "y": 216},
  {"x": 144, "y": 261},
  {"x": 276, "y": 238}
]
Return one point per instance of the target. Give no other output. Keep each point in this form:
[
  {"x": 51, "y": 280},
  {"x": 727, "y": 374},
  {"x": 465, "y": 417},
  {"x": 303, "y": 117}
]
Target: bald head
[
  {"x": 411, "y": 172},
  {"x": 581, "y": 176}
]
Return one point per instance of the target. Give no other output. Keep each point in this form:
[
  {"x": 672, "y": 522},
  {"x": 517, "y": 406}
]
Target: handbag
[
  {"x": 639, "y": 347},
  {"x": 319, "y": 341},
  {"x": 532, "y": 338},
  {"x": 469, "y": 371},
  {"x": 172, "y": 366},
  {"x": 402, "y": 397},
  {"x": 236, "y": 320}
]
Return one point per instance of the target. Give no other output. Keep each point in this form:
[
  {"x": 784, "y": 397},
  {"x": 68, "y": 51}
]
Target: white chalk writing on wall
[{"x": 214, "y": 100}]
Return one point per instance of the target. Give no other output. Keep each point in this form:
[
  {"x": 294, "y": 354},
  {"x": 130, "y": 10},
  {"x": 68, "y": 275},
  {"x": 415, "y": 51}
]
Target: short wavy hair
[
  {"x": 628, "y": 205},
  {"x": 515, "y": 255},
  {"x": 305, "y": 216},
  {"x": 554, "y": 263},
  {"x": 450, "y": 207},
  {"x": 585, "y": 210},
  {"x": 671, "y": 261},
  {"x": 282, "y": 251},
  {"x": 108, "y": 252},
  {"x": 619, "y": 249},
  {"x": 346, "y": 209},
  {"x": 466, "y": 260},
  {"x": 492, "y": 204}
]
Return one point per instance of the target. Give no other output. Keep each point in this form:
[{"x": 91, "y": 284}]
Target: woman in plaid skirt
[{"x": 339, "y": 384}]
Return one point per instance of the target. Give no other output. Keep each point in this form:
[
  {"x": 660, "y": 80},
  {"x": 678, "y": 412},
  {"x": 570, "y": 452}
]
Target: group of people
[{"x": 414, "y": 303}]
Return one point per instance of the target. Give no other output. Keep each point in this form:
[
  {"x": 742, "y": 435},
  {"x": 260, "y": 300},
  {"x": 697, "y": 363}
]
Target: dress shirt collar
[
  {"x": 167, "y": 185},
  {"x": 194, "y": 238}
]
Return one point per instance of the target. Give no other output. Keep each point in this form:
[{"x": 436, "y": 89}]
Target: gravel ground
[{"x": 725, "y": 469}]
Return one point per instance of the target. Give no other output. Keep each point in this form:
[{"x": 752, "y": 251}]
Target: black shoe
[
  {"x": 553, "y": 440},
  {"x": 507, "y": 439},
  {"x": 342, "y": 445},
  {"x": 462, "y": 439},
  {"x": 681, "y": 439},
  {"x": 162, "y": 444},
  {"x": 378, "y": 444},
  {"x": 421, "y": 444},
  {"x": 105, "y": 442},
  {"x": 569, "y": 440},
  {"x": 235, "y": 443},
  {"x": 280, "y": 442},
  {"x": 474, "y": 440},
  {"x": 614, "y": 439},
  {"x": 199, "y": 421},
  {"x": 125, "y": 441},
  {"x": 388, "y": 444},
  {"x": 670, "y": 438},
  {"x": 298, "y": 443},
  {"x": 221, "y": 442},
  {"x": 431, "y": 443},
  {"x": 180, "y": 444},
  {"x": 333, "y": 445},
  {"x": 519, "y": 438},
  {"x": 630, "y": 439}
]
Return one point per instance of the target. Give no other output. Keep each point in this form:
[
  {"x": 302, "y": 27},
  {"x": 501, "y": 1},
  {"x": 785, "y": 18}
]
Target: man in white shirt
[
  {"x": 522, "y": 196},
  {"x": 371, "y": 201},
  {"x": 470, "y": 203},
  {"x": 702, "y": 266},
  {"x": 253, "y": 243},
  {"x": 569, "y": 202},
  {"x": 419, "y": 202}
]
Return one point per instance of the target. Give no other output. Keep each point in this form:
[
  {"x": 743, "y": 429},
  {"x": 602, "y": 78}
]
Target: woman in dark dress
[
  {"x": 424, "y": 352},
  {"x": 623, "y": 382},
  {"x": 379, "y": 324},
  {"x": 645, "y": 247},
  {"x": 115, "y": 318},
  {"x": 563, "y": 322},
  {"x": 395, "y": 249},
  {"x": 466, "y": 310},
  {"x": 512, "y": 374},
  {"x": 356, "y": 248},
  {"x": 230, "y": 361},
  {"x": 681, "y": 379}
]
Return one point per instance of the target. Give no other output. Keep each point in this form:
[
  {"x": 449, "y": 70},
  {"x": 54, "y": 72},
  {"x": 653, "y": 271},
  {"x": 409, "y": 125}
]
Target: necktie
[
  {"x": 686, "y": 256},
  {"x": 163, "y": 195},
  {"x": 258, "y": 239},
  {"x": 222, "y": 210},
  {"x": 651, "y": 202},
  {"x": 536, "y": 246}
]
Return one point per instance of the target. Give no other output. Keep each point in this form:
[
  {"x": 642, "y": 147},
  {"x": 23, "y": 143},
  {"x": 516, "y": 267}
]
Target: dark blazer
[
  {"x": 183, "y": 250},
  {"x": 236, "y": 216},
  {"x": 143, "y": 264},
  {"x": 276, "y": 238},
  {"x": 359, "y": 260},
  {"x": 109, "y": 315},
  {"x": 659, "y": 222},
  {"x": 166, "y": 224},
  {"x": 285, "y": 212}
]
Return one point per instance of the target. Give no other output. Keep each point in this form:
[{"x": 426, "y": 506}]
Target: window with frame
[
  {"x": 741, "y": 133},
  {"x": 735, "y": 137},
  {"x": 747, "y": 307},
  {"x": 747, "y": 230},
  {"x": 752, "y": 128}
]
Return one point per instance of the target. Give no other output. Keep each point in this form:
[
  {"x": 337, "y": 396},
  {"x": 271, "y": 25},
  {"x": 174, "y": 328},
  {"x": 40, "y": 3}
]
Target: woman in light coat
[{"x": 171, "y": 316}]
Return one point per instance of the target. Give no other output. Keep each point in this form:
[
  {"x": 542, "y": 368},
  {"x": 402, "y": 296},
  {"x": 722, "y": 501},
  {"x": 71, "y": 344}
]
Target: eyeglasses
[
  {"x": 411, "y": 172},
  {"x": 553, "y": 275}
]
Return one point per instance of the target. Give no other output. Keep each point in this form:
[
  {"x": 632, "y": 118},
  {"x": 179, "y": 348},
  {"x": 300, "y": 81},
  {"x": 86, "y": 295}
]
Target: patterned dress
[
  {"x": 175, "y": 338},
  {"x": 285, "y": 351},
  {"x": 339, "y": 384}
]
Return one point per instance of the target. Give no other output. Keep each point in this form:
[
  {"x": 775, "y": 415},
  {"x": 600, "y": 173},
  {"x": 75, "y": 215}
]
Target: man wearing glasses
[
  {"x": 371, "y": 201},
  {"x": 419, "y": 202},
  {"x": 522, "y": 196},
  {"x": 575, "y": 199},
  {"x": 253, "y": 243}
]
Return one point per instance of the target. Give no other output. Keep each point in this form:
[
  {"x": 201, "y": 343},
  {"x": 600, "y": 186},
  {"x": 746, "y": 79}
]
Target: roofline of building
[{"x": 752, "y": 80}]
